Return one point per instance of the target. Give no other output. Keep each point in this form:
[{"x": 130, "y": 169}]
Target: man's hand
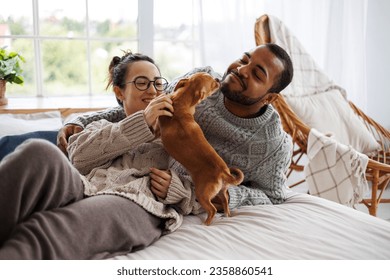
[{"x": 63, "y": 135}]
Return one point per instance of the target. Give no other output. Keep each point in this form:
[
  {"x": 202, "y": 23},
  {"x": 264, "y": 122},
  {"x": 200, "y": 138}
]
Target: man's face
[{"x": 248, "y": 79}]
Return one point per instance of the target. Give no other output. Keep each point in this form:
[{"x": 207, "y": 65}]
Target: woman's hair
[{"x": 117, "y": 70}]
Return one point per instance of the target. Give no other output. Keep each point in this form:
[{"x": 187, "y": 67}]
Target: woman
[{"x": 49, "y": 211}]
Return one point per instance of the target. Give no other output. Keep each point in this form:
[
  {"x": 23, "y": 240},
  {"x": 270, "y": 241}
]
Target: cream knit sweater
[{"x": 114, "y": 158}]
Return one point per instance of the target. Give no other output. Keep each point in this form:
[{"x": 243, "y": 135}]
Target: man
[{"x": 240, "y": 124}]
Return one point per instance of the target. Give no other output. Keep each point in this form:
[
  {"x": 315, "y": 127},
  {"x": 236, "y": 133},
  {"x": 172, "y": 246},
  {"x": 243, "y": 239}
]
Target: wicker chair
[{"x": 378, "y": 168}]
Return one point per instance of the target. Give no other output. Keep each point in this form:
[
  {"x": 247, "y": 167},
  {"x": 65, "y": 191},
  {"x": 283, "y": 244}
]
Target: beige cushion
[{"x": 329, "y": 112}]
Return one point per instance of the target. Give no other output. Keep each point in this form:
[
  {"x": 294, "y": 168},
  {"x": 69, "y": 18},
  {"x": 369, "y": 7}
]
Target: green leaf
[{"x": 10, "y": 69}]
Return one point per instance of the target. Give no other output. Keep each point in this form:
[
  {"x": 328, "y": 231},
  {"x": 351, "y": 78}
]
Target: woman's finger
[
  {"x": 165, "y": 174},
  {"x": 161, "y": 106},
  {"x": 156, "y": 191},
  {"x": 160, "y": 181}
]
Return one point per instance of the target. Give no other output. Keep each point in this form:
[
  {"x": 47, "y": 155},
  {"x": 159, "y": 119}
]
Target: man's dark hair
[{"x": 286, "y": 76}]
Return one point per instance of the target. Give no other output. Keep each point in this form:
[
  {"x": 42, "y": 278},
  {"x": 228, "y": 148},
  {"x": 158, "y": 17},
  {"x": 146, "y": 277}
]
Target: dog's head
[{"x": 198, "y": 86}]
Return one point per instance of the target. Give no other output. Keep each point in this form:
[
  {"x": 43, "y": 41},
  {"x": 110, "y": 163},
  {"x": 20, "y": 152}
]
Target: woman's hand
[
  {"x": 63, "y": 135},
  {"x": 160, "y": 181},
  {"x": 160, "y": 106}
]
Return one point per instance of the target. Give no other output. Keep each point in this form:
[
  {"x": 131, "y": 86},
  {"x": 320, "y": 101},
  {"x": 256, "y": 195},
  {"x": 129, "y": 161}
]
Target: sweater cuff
[
  {"x": 136, "y": 128},
  {"x": 75, "y": 122},
  {"x": 234, "y": 197},
  {"x": 176, "y": 190}
]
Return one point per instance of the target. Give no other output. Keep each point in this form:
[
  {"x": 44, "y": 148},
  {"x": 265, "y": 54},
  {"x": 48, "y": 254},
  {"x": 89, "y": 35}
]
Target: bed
[{"x": 303, "y": 228}]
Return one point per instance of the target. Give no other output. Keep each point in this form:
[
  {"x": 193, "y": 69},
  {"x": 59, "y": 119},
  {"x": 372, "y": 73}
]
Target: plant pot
[{"x": 3, "y": 99}]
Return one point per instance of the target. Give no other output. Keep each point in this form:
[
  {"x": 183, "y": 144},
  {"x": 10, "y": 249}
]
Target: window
[
  {"x": 67, "y": 44},
  {"x": 176, "y": 37}
]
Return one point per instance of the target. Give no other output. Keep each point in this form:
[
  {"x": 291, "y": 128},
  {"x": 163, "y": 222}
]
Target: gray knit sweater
[{"x": 258, "y": 146}]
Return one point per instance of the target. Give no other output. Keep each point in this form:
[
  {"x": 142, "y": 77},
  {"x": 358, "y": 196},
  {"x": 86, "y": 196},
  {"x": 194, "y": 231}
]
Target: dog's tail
[{"x": 235, "y": 177}]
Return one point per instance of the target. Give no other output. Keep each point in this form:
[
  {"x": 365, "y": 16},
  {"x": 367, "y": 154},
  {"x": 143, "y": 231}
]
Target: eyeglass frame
[{"x": 149, "y": 82}]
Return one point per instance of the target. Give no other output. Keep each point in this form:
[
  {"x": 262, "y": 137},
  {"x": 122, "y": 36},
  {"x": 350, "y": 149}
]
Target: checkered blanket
[{"x": 335, "y": 171}]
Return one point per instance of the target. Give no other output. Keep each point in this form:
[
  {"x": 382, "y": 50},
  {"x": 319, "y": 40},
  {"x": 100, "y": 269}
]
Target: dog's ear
[
  {"x": 272, "y": 97},
  {"x": 199, "y": 95},
  {"x": 181, "y": 83}
]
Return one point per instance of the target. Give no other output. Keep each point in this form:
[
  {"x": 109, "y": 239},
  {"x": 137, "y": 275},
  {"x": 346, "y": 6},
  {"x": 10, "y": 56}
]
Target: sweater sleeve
[
  {"x": 111, "y": 114},
  {"x": 103, "y": 141},
  {"x": 244, "y": 196}
]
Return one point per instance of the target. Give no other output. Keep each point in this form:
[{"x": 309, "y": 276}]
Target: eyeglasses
[{"x": 143, "y": 83}]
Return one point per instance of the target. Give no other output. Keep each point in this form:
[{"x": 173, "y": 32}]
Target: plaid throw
[{"x": 335, "y": 171}]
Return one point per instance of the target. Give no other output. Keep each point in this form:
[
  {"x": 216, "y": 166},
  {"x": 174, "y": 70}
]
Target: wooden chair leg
[{"x": 374, "y": 193}]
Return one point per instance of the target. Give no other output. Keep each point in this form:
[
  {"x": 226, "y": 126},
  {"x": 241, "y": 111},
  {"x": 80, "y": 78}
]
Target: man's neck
[{"x": 244, "y": 111}]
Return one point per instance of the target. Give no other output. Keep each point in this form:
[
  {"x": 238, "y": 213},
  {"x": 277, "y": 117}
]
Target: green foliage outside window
[{"x": 64, "y": 61}]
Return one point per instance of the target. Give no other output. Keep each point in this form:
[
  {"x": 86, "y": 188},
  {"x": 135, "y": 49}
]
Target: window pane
[
  {"x": 16, "y": 18},
  {"x": 116, "y": 20},
  {"x": 176, "y": 38},
  {"x": 25, "y": 48},
  {"x": 101, "y": 56},
  {"x": 62, "y": 18},
  {"x": 175, "y": 59},
  {"x": 178, "y": 26},
  {"x": 65, "y": 67}
]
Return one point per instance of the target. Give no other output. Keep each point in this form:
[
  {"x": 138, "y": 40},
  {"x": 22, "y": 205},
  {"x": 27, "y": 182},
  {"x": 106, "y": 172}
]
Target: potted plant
[{"x": 10, "y": 71}]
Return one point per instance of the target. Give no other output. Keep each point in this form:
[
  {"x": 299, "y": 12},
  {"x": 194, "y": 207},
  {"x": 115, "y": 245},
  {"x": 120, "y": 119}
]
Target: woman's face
[{"x": 134, "y": 99}]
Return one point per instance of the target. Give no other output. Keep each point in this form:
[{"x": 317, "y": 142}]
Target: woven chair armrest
[{"x": 373, "y": 164}]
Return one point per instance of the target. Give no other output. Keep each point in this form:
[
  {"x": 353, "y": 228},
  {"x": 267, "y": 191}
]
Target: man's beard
[{"x": 236, "y": 96}]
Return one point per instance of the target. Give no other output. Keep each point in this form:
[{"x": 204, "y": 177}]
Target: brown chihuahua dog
[{"x": 184, "y": 141}]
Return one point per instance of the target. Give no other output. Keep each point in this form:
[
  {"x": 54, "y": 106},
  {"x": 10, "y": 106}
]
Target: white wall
[{"x": 378, "y": 61}]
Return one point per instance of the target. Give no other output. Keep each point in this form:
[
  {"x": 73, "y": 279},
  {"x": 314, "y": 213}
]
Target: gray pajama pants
[{"x": 44, "y": 215}]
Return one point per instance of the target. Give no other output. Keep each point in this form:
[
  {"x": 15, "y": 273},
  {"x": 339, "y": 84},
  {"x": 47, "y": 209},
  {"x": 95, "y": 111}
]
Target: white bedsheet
[{"x": 304, "y": 227}]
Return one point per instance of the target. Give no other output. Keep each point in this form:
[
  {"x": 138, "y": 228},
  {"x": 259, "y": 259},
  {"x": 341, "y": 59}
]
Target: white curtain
[{"x": 332, "y": 31}]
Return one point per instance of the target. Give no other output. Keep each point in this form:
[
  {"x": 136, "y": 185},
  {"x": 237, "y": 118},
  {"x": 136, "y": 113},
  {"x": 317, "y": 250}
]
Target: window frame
[{"x": 144, "y": 41}]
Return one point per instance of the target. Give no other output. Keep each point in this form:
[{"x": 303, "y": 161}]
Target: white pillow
[
  {"x": 14, "y": 124},
  {"x": 330, "y": 112}
]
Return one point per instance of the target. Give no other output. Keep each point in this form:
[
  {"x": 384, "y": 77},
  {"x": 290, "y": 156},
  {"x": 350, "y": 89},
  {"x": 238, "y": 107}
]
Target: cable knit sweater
[{"x": 258, "y": 146}]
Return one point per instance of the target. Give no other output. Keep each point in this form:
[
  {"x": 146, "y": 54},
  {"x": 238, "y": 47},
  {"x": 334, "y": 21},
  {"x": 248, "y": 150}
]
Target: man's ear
[
  {"x": 180, "y": 84},
  {"x": 119, "y": 93}
]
